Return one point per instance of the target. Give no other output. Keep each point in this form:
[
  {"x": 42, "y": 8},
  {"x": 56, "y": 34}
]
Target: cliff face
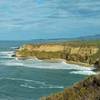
[
  {"x": 69, "y": 52},
  {"x": 58, "y": 47},
  {"x": 88, "y": 89},
  {"x": 44, "y": 47}
]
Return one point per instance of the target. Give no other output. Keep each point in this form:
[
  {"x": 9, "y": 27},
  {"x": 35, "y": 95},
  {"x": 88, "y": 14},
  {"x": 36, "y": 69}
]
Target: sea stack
[{"x": 97, "y": 63}]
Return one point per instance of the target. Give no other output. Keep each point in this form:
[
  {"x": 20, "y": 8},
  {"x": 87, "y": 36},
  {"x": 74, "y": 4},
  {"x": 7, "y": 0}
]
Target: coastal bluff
[
  {"x": 71, "y": 52},
  {"x": 77, "y": 52},
  {"x": 88, "y": 89}
]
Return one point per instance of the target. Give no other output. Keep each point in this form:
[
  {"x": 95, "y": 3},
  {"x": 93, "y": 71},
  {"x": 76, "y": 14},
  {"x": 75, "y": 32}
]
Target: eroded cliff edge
[
  {"x": 88, "y": 89},
  {"x": 85, "y": 53}
]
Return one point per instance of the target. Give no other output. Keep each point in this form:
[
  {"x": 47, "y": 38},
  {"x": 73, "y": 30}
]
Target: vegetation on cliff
[
  {"x": 87, "y": 52},
  {"x": 78, "y": 51},
  {"x": 88, "y": 89}
]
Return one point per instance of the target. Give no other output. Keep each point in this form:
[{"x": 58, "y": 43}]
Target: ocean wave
[
  {"x": 41, "y": 87},
  {"x": 24, "y": 80},
  {"x": 35, "y": 63},
  {"x": 83, "y": 72},
  {"x": 10, "y": 63},
  {"x": 27, "y": 86},
  {"x": 52, "y": 87},
  {"x": 78, "y": 67},
  {"x": 6, "y": 54},
  {"x": 26, "y": 83},
  {"x": 41, "y": 64},
  {"x": 13, "y": 47}
]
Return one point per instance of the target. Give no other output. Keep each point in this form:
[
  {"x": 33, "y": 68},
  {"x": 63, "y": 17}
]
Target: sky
[{"x": 43, "y": 19}]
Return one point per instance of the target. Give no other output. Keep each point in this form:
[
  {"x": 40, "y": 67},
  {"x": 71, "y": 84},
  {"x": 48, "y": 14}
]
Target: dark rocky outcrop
[
  {"x": 97, "y": 63},
  {"x": 88, "y": 89}
]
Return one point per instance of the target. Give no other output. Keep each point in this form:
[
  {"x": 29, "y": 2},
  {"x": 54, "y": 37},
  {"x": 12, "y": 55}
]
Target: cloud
[{"x": 49, "y": 16}]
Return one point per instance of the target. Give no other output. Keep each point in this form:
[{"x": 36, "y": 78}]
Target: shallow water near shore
[{"x": 32, "y": 78}]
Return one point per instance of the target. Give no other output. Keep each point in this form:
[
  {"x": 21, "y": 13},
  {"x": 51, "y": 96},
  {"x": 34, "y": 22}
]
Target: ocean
[{"x": 33, "y": 78}]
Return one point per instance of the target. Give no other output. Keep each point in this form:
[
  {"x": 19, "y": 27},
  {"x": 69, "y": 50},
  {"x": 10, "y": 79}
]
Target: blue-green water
[{"x": 32, "y": 78}]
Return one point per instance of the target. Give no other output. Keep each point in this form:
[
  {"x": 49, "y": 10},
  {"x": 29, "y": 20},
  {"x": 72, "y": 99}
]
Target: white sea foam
[
  {"x": 6, "y": 54},
  {"x": 58, "y": 66},
  {"x": 47, "y": 65},
  {"x": 42, "y": 87},
  {"x": 27, "y": 86},
  {"x": 10, "y": 63},
  {"x": 14, "y": 47},
  {"x": 24, "y": 80},
  {"x": 53, "y": 86},
  {"x": 83, "y": 72},
  {"x": 27, "y": 82},
  {"x": 35, "y": 63}
]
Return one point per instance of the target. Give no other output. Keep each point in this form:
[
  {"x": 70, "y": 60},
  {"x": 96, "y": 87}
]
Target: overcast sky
[{"x": 42, "y": 19}]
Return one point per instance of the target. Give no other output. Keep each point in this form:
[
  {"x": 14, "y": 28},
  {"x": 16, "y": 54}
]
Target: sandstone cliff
[{"x": 73, "y": 51}]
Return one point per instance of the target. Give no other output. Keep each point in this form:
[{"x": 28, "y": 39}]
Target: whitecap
[
  {"x": 26, "y": 85},
  {"x": 49, "y": 65},
  {"x": 9, "y": 62},
  {"x": 6, "y": 54},
  {"x": 53, "y": 87},
  {"x": 35, "y": 63},
  {"x": 14, "y": 47},
  {"x": 24, "y": 80},
  {"x": 14, "y": 64},
  {"x": 83, "y": 72}
]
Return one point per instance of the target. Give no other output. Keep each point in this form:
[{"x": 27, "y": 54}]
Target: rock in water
[{"x": 97, "y": 64}]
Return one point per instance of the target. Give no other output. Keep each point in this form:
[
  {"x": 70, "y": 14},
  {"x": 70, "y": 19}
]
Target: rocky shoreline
[
  {"x": 72, "y": 53},
  {"x": 86, "y": 55},
  {"x": 88, "y": 89}
]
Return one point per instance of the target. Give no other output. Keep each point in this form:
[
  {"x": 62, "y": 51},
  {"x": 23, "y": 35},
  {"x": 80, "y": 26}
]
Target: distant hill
[
  {"x": 89, "y": 37},
  {"x": 57, "y": 40}
]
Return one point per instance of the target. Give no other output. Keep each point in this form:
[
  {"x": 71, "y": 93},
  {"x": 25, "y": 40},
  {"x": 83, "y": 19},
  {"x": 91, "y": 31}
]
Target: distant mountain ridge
[{"x": 89, "y": 37}]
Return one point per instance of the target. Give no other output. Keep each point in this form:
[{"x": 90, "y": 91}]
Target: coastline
[
  {"x": 53, "y": 60},
  {"x": 76, "y": 56},
  {"x": 88, "y": 89},
  {"x": 79, "y": 63},
  {"x": 78, "y": 53}
]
